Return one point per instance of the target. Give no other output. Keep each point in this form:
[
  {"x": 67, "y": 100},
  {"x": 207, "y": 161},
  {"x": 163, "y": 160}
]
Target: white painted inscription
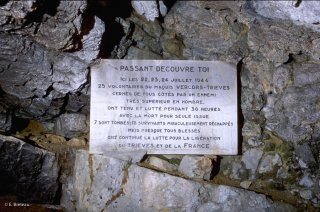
[{"x": 164, "y": 107}]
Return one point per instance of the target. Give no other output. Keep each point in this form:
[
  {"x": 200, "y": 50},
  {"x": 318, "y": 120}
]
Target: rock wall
[{"x": 47, "y": 48}]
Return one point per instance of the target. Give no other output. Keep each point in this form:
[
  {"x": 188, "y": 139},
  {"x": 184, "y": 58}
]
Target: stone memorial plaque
[{"x": 164, "y": 107}]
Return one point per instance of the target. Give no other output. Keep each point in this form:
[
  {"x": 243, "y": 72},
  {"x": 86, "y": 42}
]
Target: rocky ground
[{"x": 47, "y": 48}]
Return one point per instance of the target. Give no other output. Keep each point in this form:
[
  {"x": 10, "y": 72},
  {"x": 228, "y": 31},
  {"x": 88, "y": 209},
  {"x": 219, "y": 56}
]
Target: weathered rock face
[
  {"x": 45, "y": 54},
  {"x": 306, "y": 13},
  {"x": 108, "y": 184},
  {"x": 27, "y": 172}
]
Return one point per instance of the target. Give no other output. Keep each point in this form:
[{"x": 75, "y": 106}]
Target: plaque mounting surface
[{"x": 164, "y": 107}]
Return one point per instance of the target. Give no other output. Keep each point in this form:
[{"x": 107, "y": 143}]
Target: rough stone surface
[
  {"x": 305, "y": 155},
  {"x": 196, "y": 166},
  {"x": 57, "y": 25},
  {"x": 278, "y": 60},
  {"x": 27, "y": 172},
  {"x": 14, "y": 12},
  {"x": 269, "y": 162},
  {"x": 35, "y": 79},
  {"x": 161, "y": 164},
  {"x": 77, "y": 142},
  {"x": 132, "y": 156},
  {"x": 300, "y": 12},
  {"x": 251, "y": 159},
  {"x": 46, "y": 48},
  {"x": 306, "y": 181},
  {"x": 101, "y": 183},
  {"x": 245, "y": 184},
  {"x": 306, "y": 194},
  {"x": 71, "y": 125},
  {"x": 204, "y": 38},
  {"x": 95, "y": 182},
  {"x": 91, "y": 42},
  {"x": 149, "y": 9}
]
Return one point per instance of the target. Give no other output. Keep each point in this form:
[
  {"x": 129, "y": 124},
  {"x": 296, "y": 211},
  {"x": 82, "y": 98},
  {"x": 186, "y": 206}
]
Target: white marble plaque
[{"x": 164, "y": 107}]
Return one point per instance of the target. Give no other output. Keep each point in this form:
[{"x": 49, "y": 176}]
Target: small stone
[
  {"x": 304, "y": 154},
  {"x": 163, "y": 8},
  {"x": 306, "y": 181},
  {"x": 251, "y": 129},
  {"x": 269, "y": 162},
  {"x": 302, "y": 164},
  {"x": 77, "y": 142},
  {"x": 161, "y": 164},
  {"x": 245, "y": 184},
  {"x": 54, "y": 139},
  {"x": 238, "y": 172},
  {"x": 281, "y": 173},
  {"x": 251, "y": 159},
  {"x": 306, "y": 194},
  {"x": 254, "y": 142},
  {"x": 196, "y": 166}
]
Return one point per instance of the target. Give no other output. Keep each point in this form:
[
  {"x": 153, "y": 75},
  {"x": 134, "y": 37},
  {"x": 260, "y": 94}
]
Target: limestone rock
[
  {"x": 37, "y": 78},
  {"x": 96, "y": 181},
  {"x": 27, "y": 172},
  {"x": 149, "y": 9},
  {"x": 269, "y": 162},
  {"x": 100, "y": 183},
  {"x": 131, "y": 157},
  {"x": 71, "y": 125},
  {"x": 282, "y": 112},
  {"x": 204, "y": 38},
  {"x": 178, "y": 194},
  {"x": 162, "y": 8},
  {"x": 136, "y": 53},
  {"x": 245, "y": 184},
  {"x": 77, "y": 142},
  {"x": 34, "y": 79},
  {"x": 251, "y": 159},
  {"x": 161, "y": 164},
  {"x": 306, "y": 194},
  {"x": 14, "y": 12},
  {"x": 60, "y": 25},
  {"x": 91, "y": 42},
  {"x": 299, "y": 12},
  {"x": 238, "y": 169},
  {"x": 304, "y": 155},
  {"x": 306, "y": 181},
  {"x": 196, "y": 166},
  {"x": 146, "y": 36}
]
